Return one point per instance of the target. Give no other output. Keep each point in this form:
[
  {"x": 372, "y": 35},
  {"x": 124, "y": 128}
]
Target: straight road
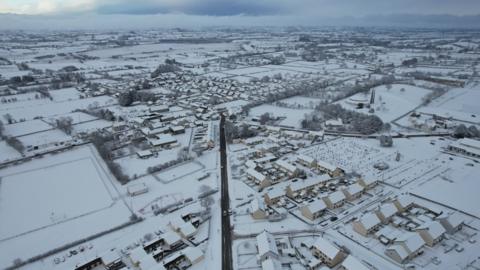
[{"x": 225, "y": 202}]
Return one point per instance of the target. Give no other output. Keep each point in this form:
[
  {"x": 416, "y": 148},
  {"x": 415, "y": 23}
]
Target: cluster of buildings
[{"x": 404, "y": 226}]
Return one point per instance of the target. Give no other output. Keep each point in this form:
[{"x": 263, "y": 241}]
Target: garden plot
[
  {"x": 133, "y": 165},
  {"x": 65, "y": 94},
  {"x": 292, "y": 117},
  {"x": 175, "y": 173},
  {"x": 390, "y": 103},
  {"x": 68, "y": 195},
  {"x": 77, "y": 117},
  {"x": 27, "y": 127}
]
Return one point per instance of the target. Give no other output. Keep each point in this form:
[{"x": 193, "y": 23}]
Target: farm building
[
  {"x": 144, "y": 154},
  {"x": 466, "y": 146},
  {"x": 137, "y": 189},
  {"x": 163, "y": 140}
]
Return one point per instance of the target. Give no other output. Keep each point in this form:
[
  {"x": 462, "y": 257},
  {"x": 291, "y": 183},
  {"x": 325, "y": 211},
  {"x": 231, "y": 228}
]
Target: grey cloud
[{"x": 193, "y": 7}]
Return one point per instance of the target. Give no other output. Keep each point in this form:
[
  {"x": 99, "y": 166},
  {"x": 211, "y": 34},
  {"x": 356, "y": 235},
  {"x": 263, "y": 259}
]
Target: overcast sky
[
  {"x": 246, "y": 7},
  {"x": 198, "y": 12}
]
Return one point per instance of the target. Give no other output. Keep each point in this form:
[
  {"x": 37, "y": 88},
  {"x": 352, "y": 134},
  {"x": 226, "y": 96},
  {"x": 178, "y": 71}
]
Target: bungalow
[
  {"x": 137, "y": 189},
  {"x": 314, "y": 210},
  {"x": 330, "y": 254},
  {"x": 432, "y": 233},
  {"x": 352, "y": 263},
  {"x": 307, "y": 161},
  {"x": 332, "y": 170},
  {"x": 452, "y": 223},
  {"x": 335, "y": 200},
  {"x": 353, "y": 192},
  {"x": 266, "y": 246},
  {"x": 177, "y": 130},
  {"x": 368, "y": 224},
  {"x": 257, "y": 209},
  {"x": 288, "y": 168},
  {"x": 386, "y": 212},
  {"x": 144, "y": 154},
  {"x": 163, "y": 140},
  {"x": 334, "y": 123}
]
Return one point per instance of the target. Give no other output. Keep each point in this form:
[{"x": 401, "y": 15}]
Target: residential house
[
  {"x": 257, "y": 209},
  {"x": 266, "y": 246},
  {"x": 335, "y": 199},
  {"x": 328, "y": 253},
  {"x": 367, "y": 224},
  {"x": 452, "y": 223},
  {"x": 314, "y": 210},
  {"x": 352, "y": 263},
  {"x": 353, "y": 192},
  {"x": 332, "y": 170},
  {"x": 432, "y": 233},
  {"x": 386, "y": 212}
]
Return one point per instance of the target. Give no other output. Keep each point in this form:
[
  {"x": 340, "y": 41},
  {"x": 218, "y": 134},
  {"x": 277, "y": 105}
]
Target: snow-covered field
[
  {"x": 293, "y": 117},
  {"x": 391, "y": 103},
  {"x": 56, "y": 195},
  {"x": 460, "y": 103}
]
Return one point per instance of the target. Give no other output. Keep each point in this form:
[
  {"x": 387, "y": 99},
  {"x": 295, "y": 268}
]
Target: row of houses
[
  {"x": 299, "y": 188},
  {"x": 409, "y": 245}
]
